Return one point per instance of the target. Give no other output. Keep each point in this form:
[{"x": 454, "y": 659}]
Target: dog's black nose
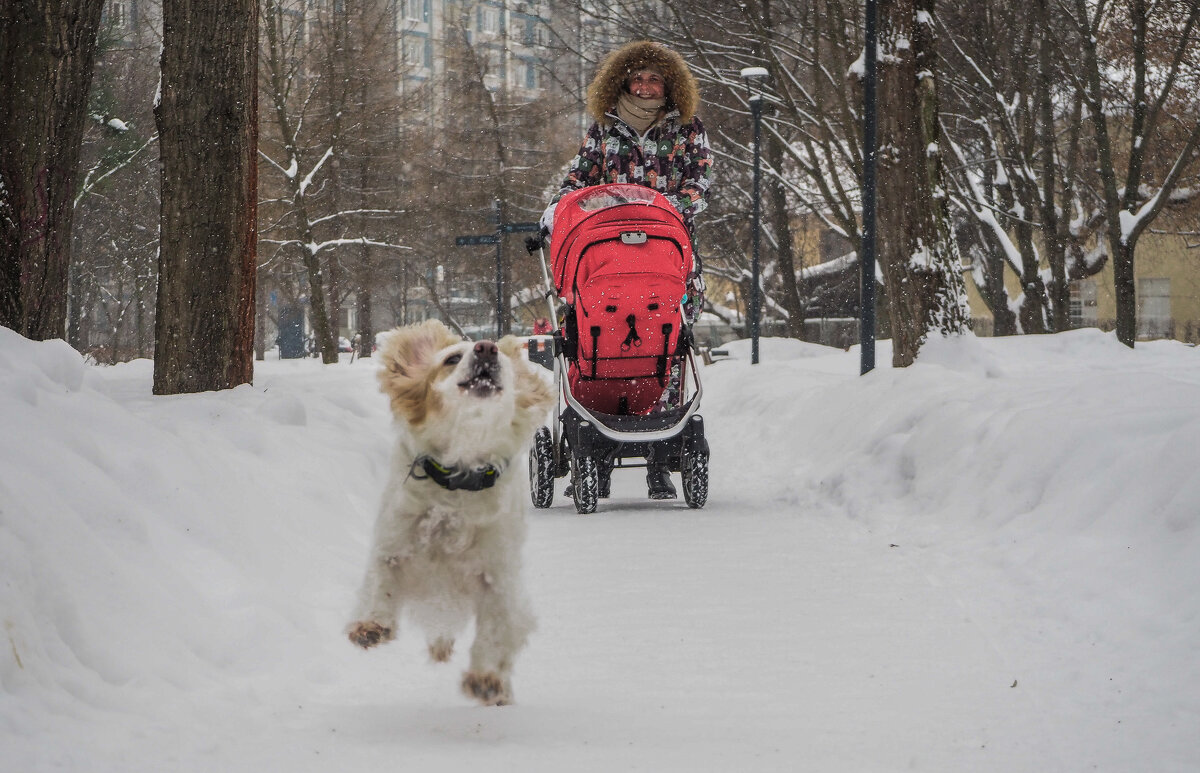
[{"x": 486, "y": 351}]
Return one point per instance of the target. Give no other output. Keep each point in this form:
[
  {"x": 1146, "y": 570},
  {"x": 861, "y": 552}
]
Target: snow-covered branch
[
  {"x": 308, "y": 178},
  {"x": 89, "y": 184},
  {"x": 315, "y": 248}
]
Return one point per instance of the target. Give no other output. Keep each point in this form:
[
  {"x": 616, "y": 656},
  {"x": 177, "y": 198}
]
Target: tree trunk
[
  {"x": 47, "y": 53},
  {"x": 785, "y": 260},
  {"x": 323, "y": 330},
  {"x": 1054, "y": 231},
  {"x": 207, "y": 120},
  {"x": 917, "y": 255},
  {"x": 260, "y": 321},
  {"x": 1032, "y": 312},
  {"x": 366, "y": 330},
  {"x": 1125, "y": 289},
  {"x": 989, "y": 279},
  {"x": 365, "y": 340}
]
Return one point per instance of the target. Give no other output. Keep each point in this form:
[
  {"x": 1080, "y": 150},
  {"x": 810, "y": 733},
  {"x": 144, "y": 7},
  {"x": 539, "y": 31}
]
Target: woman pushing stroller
[{"x": 643, "y": 100}]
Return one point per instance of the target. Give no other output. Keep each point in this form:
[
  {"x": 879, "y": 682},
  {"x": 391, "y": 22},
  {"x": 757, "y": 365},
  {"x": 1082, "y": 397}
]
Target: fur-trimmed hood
[{"x": 682, "y": 92}]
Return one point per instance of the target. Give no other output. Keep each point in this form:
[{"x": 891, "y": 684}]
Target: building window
[
  {"x": 489, "y": 19},
  {"x": 416, "y": 51},
  {"x": 534, "y": 32},
  {"x": 529, "y": 74},
  {"x": 416, "y": 10},
  {"x": 1083, "y": 303},
  {"x": 117, "y": 14},
  {"x": 1154, "y": 307}
]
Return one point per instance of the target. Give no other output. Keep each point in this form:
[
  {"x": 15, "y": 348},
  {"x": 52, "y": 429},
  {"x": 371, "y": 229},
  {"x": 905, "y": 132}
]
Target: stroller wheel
[
  {"x": 585, "y": 483},
  {"x": 541, "y": 469},
  {"x": 694, "y": 471}
]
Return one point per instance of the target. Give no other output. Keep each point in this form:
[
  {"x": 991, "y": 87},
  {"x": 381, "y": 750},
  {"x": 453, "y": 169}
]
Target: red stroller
[{"x": 623, "y": 353}]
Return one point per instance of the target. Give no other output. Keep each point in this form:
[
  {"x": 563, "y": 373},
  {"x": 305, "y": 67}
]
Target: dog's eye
[{"x": 453, "y": 359}]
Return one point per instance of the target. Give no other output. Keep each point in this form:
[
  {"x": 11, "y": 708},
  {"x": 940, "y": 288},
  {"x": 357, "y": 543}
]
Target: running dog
[{"x": 451, "y": 526}]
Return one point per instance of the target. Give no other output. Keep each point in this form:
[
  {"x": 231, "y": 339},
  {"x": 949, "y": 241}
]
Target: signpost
[
  {"x": 498, "y": 240},
  {"x": 465, "y": 241}
]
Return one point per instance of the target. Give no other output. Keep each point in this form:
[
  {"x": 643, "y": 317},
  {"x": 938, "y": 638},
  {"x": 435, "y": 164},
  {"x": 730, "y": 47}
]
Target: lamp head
[
  {"x": 755, "y": 74},
  {"x": 755, "y": 77}
]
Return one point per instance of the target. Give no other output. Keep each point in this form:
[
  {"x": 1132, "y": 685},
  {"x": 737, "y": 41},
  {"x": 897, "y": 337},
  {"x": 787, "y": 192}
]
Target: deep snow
[{"x": 988, "y": 561}]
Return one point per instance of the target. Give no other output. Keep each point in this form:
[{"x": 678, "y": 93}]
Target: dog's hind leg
[
  {"x": 443, "y": 621},
  {"x": 376, "y": 617},
  {"x": 503, "y": 623},
  {"x": 441, "y": 649}
]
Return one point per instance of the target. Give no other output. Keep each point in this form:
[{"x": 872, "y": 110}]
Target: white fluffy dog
[{"x": 448, "y": 537}]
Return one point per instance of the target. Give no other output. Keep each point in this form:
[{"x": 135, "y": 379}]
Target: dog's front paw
[
  {"x": 369, "y": 634},
  {"x": 487, "y": 688}
]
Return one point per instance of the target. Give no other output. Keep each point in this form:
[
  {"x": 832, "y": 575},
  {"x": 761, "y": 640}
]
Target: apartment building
[{"x": 509, "y": 42}]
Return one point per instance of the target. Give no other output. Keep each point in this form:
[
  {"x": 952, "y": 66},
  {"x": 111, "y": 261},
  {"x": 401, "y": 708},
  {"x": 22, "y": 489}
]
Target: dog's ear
[
  {"x": 512, "y": 346},
  {"x": 535, "y": 395},
  {"x": 410, "y": 348},
  {"x": 407, "y": 359}
]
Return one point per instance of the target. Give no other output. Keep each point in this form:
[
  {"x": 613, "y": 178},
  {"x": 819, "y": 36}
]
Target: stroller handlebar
[{"x": 535, "y": 243}]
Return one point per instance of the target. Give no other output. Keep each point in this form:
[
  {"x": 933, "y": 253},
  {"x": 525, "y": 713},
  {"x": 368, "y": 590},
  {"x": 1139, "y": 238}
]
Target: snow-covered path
[
  {"x": 767, "y": 639},
  {"x": 938, "y": 569}
]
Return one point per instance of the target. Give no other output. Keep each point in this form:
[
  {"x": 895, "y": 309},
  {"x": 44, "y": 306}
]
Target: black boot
[{"x": 658, "y": 481}]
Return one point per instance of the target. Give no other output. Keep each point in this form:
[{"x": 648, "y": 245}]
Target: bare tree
[
  {"x": 491, "y": 144},
  {"x": 207, "y": 120},
  {"x": 328, "y": 81},
  {"x": 117, "y": 205},
  {"x": 1144, "y": 115},
  {"x": 47, "y": 51},
  {"x": 1014, "y": 130}
]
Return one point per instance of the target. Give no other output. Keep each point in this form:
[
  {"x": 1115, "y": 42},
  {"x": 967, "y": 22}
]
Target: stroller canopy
[{"x": 601, "y": 214}]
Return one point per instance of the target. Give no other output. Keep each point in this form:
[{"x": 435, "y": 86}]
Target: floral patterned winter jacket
[{"x": 671, "y": 158}]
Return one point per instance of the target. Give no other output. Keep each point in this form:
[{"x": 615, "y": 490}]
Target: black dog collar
[{"x": 454, "y": 478}]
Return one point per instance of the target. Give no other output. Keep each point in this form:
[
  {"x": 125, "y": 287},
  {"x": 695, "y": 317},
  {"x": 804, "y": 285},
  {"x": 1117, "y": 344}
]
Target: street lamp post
[
  {"x": 870, "y": 148},
  {"x": 754, "y": 77},
  {"x": 500, "y": 299}
]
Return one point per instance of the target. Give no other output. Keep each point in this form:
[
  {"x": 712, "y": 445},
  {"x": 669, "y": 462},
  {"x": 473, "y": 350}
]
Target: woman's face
[{"x": 647, "y": 84}]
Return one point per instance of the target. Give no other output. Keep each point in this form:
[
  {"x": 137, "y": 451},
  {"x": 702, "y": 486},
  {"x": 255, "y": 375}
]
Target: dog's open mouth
[{"x": 482, "y": 383}]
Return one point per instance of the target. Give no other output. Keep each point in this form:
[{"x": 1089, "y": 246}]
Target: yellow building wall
[
  {"x": 1158, "y": 256},
  {"x": 1167, "y": 257}
]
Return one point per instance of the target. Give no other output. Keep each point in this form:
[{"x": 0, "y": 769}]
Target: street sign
[
  {"x": 495, "y": 238},
  {"x": 462, "y": 241}
]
